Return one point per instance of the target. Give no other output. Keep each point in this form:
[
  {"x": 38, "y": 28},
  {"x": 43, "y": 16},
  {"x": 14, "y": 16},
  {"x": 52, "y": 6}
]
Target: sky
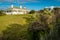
[{"x": 29, "y": 4}]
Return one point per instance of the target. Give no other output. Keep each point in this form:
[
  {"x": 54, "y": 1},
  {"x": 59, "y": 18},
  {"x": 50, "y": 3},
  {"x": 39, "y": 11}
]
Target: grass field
[{"x": 12, "y": 19}]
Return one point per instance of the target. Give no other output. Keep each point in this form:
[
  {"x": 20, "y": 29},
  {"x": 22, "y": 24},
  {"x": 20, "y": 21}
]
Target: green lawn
[{"x": 12, "y": 19}]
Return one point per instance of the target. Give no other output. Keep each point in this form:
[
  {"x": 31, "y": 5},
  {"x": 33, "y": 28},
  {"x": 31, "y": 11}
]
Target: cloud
[
  {"x": 27, "y": 1},
  {"x": 19, "y": 1}
]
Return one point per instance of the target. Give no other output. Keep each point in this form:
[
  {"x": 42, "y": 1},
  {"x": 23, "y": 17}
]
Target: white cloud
[
  {"x": 26, "y": 1},
  {"x": 19, "y": 1}
]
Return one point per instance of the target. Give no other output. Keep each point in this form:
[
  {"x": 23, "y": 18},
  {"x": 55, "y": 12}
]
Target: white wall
[{"x": 14, "y": 13}]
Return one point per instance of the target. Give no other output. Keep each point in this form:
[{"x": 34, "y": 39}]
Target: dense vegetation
[
  {"x": 44, "y": 25},
  {"x": 2, "y": 12},
  {"x": 32, "y": 12}
]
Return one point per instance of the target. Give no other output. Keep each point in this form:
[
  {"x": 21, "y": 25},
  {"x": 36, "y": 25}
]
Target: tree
[
  {"x": 1, "y": 13},
  {"x": 32, "y": 12},
  {"x": 41, "y": 11}
]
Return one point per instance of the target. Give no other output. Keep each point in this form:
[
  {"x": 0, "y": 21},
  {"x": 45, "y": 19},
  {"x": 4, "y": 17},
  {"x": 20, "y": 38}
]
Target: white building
[{"x": 15, "y": 10}]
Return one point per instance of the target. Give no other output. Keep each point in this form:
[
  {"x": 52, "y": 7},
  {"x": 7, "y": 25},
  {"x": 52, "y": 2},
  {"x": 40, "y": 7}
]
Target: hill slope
[{"x": 12, "y": 19}]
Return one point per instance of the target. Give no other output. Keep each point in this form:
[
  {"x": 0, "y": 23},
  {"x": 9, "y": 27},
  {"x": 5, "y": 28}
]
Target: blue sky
[{"x": 30, "y": 4}]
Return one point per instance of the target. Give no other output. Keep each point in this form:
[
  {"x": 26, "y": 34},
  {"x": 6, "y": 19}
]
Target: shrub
[
  {"x": 32, "y": 12},
  {"x": 15, "y": 32},
  {"x": 1, "y": 13}
]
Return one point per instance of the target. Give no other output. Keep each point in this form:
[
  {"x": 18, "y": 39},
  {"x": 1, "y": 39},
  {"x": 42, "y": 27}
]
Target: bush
[
  {"x": 32, "y": 12},
  {"x": 15, "y": 32},
  {"x": 1, "y": 13},
  {"x": 36, "y": 28}
]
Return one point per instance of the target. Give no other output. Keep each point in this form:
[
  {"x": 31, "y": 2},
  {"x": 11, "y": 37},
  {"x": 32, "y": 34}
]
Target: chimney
[
  {"x": 25, "y": 8},
  {"x": 20, "y": 7},
  {"x": 11, "y": 6}
]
